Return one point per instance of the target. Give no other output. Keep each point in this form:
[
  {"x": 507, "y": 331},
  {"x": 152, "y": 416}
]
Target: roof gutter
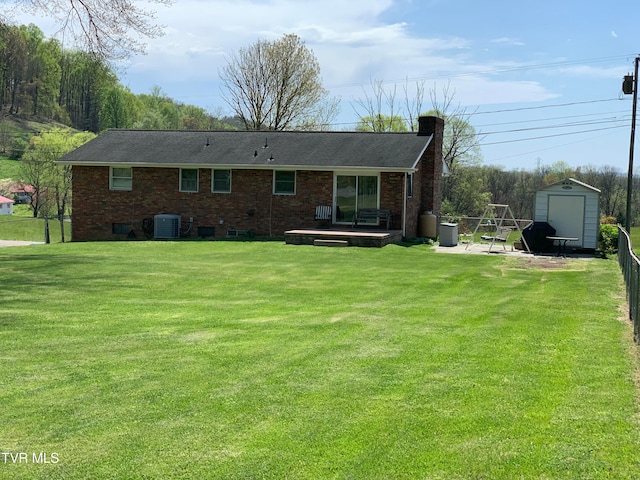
[{"x": 342, "y": 168}]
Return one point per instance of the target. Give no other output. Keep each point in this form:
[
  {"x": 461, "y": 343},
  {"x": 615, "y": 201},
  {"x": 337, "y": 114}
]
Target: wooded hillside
[{"x": 39, "y": 78}]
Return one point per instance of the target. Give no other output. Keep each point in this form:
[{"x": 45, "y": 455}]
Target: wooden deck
[{"x": 346, "y": 237}]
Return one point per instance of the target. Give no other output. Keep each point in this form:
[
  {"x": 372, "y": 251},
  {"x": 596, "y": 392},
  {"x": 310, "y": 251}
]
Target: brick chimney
[{"x": 431, "y": 164}]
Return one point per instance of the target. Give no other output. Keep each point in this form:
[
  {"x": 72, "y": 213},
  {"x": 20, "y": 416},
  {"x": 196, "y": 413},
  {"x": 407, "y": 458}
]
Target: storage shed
[
  {"x": 6, "y": 206},
  {"x": 573, "y": 209}
]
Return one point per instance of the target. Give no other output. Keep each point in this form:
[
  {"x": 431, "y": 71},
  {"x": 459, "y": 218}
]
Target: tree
[
  {"x": 558, "y": 171},
  {"x": 461, "y": 141},
  {"x": 381, "y": 113},
  {"x": 6, "y": 136},
  {"x": 277, "y": 86},
  {"x": 51, "y": 181},
  {"x": 382, "y": 123},
  {"x": 84, "y": 80},
  {"x": 467, "y": 193},
  {"x": 109, "y": 29},
  {"x": 194, "y": 118},
  {"x": 14, "y": 54},
  {"x": 378, "y": 111},
  {"x": 48, "y": 74},
  {"x": 612, "y": 191},
  {"x": 463, "y": 192},
  {"x": 119, "y": 108},
  {"x": 461, "y": 155}
]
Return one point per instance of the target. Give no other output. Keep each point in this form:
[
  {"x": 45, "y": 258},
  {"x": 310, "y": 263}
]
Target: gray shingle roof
[{"x": 251, "y": 149}]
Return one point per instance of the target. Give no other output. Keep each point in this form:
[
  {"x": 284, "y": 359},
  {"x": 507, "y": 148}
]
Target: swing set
[{"x": 499, "y": 218}]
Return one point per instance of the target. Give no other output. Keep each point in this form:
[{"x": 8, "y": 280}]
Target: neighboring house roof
[
  {"x": 253, "y": 149},
  {"x": 5, "y": 200},
  {"x": 22, "y": 188}
]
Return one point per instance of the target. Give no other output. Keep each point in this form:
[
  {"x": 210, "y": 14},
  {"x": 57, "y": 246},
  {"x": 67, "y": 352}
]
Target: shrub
[
  {"x": 610, "y": 220},
  {"x": 609, "y": 238}
]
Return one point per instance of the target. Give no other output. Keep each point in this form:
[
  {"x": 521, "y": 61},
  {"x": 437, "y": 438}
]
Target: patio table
[{"x": 562, "y": 243}]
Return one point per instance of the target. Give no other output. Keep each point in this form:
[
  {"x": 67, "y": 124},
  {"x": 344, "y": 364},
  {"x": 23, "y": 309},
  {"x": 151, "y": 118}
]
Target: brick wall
[
  {"x": 430, "y": 166},
  {"x": 250, "y": 206}
]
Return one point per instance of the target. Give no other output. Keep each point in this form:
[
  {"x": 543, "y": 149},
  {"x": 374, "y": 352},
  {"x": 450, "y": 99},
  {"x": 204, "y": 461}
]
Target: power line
[
  {"x": 623, "y": 112},
  {"x": 570, "y": 104},
  {"x": 539, "y": 107},
  {"x": 549, "y": 148},
  {"x": 491, "y": 71},
  {"x": 550, "y": 136},
  {"x": 560, "y": 125},
  {"x": 612, "y": 120}
]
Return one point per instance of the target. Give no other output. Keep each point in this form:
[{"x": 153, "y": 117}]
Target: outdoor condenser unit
[{"x": 166, "y": 226}]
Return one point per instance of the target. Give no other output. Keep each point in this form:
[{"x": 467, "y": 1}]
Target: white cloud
[
  {"x": 507, "y": 41},
  {"x": 589, "y": 71},
  {"x": 475, "y": 90},
  {"x": 352, "y": 41}
]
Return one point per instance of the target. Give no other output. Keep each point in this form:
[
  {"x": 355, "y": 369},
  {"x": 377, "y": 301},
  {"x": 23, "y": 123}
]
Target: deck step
[{"x": 320, "y": 242}]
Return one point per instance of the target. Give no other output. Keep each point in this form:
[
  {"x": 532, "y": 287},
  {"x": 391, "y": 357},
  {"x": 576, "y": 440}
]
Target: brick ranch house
[{"x": 264, "y": 182}]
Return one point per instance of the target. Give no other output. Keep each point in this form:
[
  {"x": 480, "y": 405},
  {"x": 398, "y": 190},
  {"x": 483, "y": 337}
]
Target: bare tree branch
[
  {"x": 377, "y": 111},
  {"x": 277, "y": 86},
  {"x": 461, "y": 142},
  {"x": 111, "y": 29},
  {"x": 413, "y": 103}
]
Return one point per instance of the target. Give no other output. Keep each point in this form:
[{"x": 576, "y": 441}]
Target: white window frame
[
  {"x": 197, "y": 180},
  {"x": 275, "y": 190},
  {"x": 213, "y": 185},
  {"x": 115, "y": 180}
]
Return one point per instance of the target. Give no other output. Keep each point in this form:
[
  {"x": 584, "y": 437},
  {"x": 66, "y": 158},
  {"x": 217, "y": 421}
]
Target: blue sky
[{"x": 550, "y": 68}]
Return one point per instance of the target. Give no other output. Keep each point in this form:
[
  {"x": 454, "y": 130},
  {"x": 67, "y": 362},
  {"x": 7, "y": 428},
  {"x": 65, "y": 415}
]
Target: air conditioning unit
[{"x": 166, "y": 226}]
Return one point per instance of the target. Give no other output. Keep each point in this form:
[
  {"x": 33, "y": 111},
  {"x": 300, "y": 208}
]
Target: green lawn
[
  {"x": 263, "y": 360},
  {"x": 9, "y": 168},
  {"x": 635, "y": 237},
  {"x": 22, "y": 226}
]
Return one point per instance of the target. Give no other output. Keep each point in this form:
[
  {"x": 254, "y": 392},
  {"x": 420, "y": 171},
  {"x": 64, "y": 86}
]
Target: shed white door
[{"x": 566, "y": 215}]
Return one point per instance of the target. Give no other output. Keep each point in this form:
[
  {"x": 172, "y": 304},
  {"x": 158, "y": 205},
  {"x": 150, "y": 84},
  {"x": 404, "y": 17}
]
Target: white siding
[
  {"x": 570, "y": 187},
  {"x": 6, "y": 208}
]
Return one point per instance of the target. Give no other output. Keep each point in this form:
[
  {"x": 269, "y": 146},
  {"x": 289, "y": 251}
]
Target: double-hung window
[
  {"x": 221, "y": 181},
  {"x": 120, "y": 178},
  {"x": 284, "y": 182},
  {"x": 188, "y": 179}
]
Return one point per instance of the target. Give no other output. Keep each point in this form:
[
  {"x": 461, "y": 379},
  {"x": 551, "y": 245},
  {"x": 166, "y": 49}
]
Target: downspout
[
  {"x": 404, "y": 206},
  {"x": 270, "y": 214}
]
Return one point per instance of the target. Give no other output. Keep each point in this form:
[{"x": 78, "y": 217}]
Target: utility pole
[{"x": 630, "y": 85}]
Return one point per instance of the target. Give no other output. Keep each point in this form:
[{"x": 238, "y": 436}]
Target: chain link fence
[{"x": 630, "y": 266}]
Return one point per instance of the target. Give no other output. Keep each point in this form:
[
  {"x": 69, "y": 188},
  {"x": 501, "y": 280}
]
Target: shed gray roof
[
  {"x": 571, "y": 180},
  {"x": 252, "y": 149}
]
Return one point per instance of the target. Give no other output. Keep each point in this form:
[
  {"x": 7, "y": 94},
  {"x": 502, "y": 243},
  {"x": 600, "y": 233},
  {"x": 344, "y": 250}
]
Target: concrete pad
[
  {"x": 17, "y": 243},
  {"x": 508, "y": 250}
]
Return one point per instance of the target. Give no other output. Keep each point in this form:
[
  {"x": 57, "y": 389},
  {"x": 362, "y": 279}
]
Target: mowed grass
[
  {"x": 9, "y": 168},
  {"x": 22, "y": 226},
  {"x": 263, "y": 360}
]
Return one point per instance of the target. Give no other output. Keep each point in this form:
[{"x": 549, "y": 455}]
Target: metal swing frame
[{"x": 498, "y": 214}]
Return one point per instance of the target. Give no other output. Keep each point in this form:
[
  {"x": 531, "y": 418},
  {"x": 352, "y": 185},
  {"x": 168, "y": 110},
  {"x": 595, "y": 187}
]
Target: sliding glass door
[{"x": 353, "y": 192}]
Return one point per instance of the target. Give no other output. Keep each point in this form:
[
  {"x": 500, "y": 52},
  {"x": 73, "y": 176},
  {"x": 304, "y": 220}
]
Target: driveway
[{"x": 16, "y": 243}]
